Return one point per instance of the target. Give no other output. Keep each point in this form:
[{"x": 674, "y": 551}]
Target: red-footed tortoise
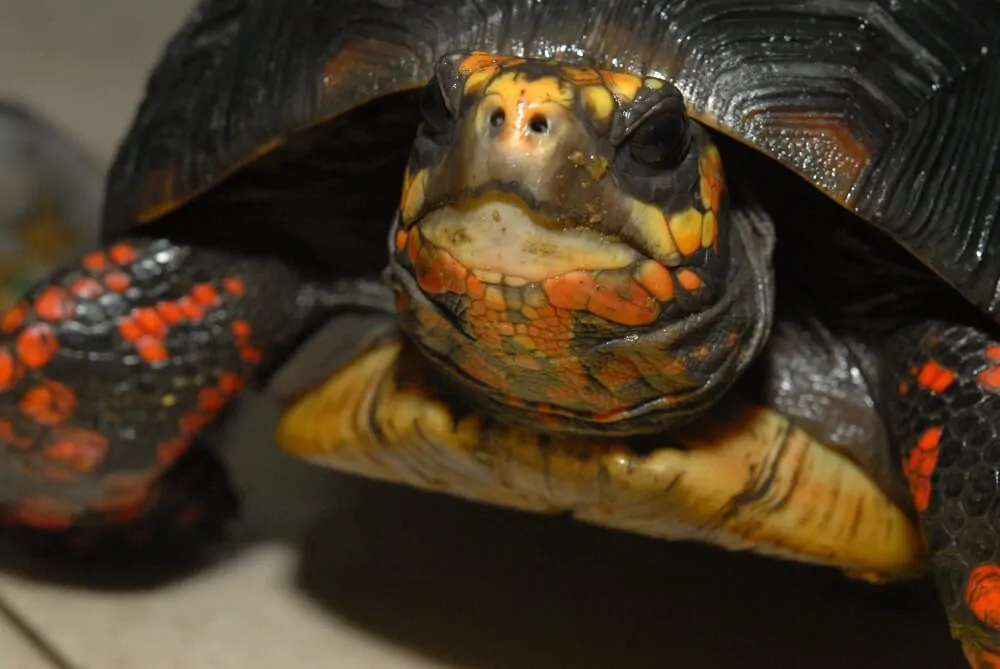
[{"x": 721, "y": 270}]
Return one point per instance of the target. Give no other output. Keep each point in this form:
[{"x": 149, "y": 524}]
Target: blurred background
[{"x": 329, "y": 571}]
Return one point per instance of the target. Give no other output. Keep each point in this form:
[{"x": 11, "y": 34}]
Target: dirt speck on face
[
  {"x": 539, "y": 248},
  {"x": 598, "y": 168},
  {"x": 458, "y": 237}
]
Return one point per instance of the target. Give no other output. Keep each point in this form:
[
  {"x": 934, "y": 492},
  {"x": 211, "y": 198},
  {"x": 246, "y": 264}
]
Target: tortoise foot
[{"x": 184, "y": 515}]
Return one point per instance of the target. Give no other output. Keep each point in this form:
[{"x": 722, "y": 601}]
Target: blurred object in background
[{"x": 50, "y": 198}]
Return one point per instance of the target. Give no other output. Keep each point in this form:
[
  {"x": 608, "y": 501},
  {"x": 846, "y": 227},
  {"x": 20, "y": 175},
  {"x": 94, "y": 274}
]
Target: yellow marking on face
[
  {"x": 712, "y": 179},
  {"x": 654, "y": 84},
  {"x": 478, "y": 78},
  {"x": 413, "y": 195},
  {"x": 580, "y": 76},
  {"x": 494, "y": 299},
  {"x": 709, "y": 230},
  {"x": 624, "y": 86},
  {"x": 598, "y": 168},
  {"x": 534, "y": 298},
  {"x": 688, "y": 279},
  {"x": 525, "y": 342},
  {"x": 598, "y": 101},
  {"x": 513, "y": 87},
  {"x": 655, "y": 278},
  {"x": 649, "y": 221},
  {"x": 685, "y": 228}
]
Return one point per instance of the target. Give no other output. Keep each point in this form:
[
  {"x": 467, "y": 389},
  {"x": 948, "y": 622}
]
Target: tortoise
[{"x": 722, "y": 271}]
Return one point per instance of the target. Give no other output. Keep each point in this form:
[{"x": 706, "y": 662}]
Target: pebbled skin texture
[
  {"x": 944, "y": 412},
  {"x": 111, "y": 368}
]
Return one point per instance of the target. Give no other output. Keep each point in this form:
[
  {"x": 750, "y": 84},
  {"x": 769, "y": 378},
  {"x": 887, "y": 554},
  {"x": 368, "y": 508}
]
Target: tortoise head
[{"x": 564, "y": 246}]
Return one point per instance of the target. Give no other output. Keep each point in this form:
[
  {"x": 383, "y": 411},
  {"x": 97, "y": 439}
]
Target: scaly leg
[
  {"x": 945, "y": 415},
  {"x": 111, "y": 368}
]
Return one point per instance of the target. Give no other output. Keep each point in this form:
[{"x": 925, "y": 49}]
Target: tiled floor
[
  {"x": 17, "y": 651},
  {"x": 327, "y": 571}
]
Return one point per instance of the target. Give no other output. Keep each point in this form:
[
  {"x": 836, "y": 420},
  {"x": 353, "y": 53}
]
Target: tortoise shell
[{"x": 870, "y": 102}]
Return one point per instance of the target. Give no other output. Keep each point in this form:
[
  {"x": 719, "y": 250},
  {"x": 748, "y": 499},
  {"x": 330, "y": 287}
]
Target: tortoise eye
[
  {"x": 434, "y": 108},
  {"x": 662, "y": 140}
]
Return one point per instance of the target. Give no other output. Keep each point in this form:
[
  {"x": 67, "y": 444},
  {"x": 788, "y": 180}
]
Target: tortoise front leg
[
  {"x": 945, "y": 415},
  {"x": 112, "y": 367}
]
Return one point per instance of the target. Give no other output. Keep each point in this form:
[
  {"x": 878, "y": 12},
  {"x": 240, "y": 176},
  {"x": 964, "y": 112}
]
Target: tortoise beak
[{"x": 747, "y": 480}]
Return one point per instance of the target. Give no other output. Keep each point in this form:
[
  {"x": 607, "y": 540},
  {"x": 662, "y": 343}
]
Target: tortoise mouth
[
  {"x": 500, "y": 238},
  {"x": 496, "y": 250}
]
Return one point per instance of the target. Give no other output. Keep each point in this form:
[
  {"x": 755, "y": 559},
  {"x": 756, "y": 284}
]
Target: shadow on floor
[{"x": 493, "y": 589}]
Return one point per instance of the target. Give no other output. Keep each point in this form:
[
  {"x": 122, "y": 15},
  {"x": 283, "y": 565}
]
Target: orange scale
[
  {"x": 122, "y": 254},
  {"x": 48, "y": 403},
  {"x": 55, "y": 304},
  {"x": 86, "y": 288},
  {"x": 46, "y": 513},
  {"x": 689, "y": 280},
  {"x": 14, "y": 318},
  {"x": 170, "y": 312},
  {"x": 151, "y": 349},
  {"x": 191, "y": 310},
  {"x": 205, "y": 294},
  {"x": 150, "y": 321},
  {"x": 234, "y": 285},
  {"x": 10, "y": 370},
  {"x": 37, "y": 345},
  {"x": 130, "y": 330},
  {"x": 571, "y": 290},
  {"x": 118, "y": 282},
  {"x": 96, "y": 261},
  {"x": 169, "y": 451}
]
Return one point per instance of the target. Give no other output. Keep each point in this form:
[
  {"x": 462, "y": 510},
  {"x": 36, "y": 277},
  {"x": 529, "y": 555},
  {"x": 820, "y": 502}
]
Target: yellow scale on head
[
  {"x": 691, "y": 229},
  {"x": 712, "y": 185},
  {"x": 413, "y": 194}
]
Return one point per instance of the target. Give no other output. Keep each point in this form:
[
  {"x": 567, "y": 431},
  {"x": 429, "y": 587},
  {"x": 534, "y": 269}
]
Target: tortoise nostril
[
  {"x": 538, "y": 124},
  {"x": 497, "y": 118}
]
